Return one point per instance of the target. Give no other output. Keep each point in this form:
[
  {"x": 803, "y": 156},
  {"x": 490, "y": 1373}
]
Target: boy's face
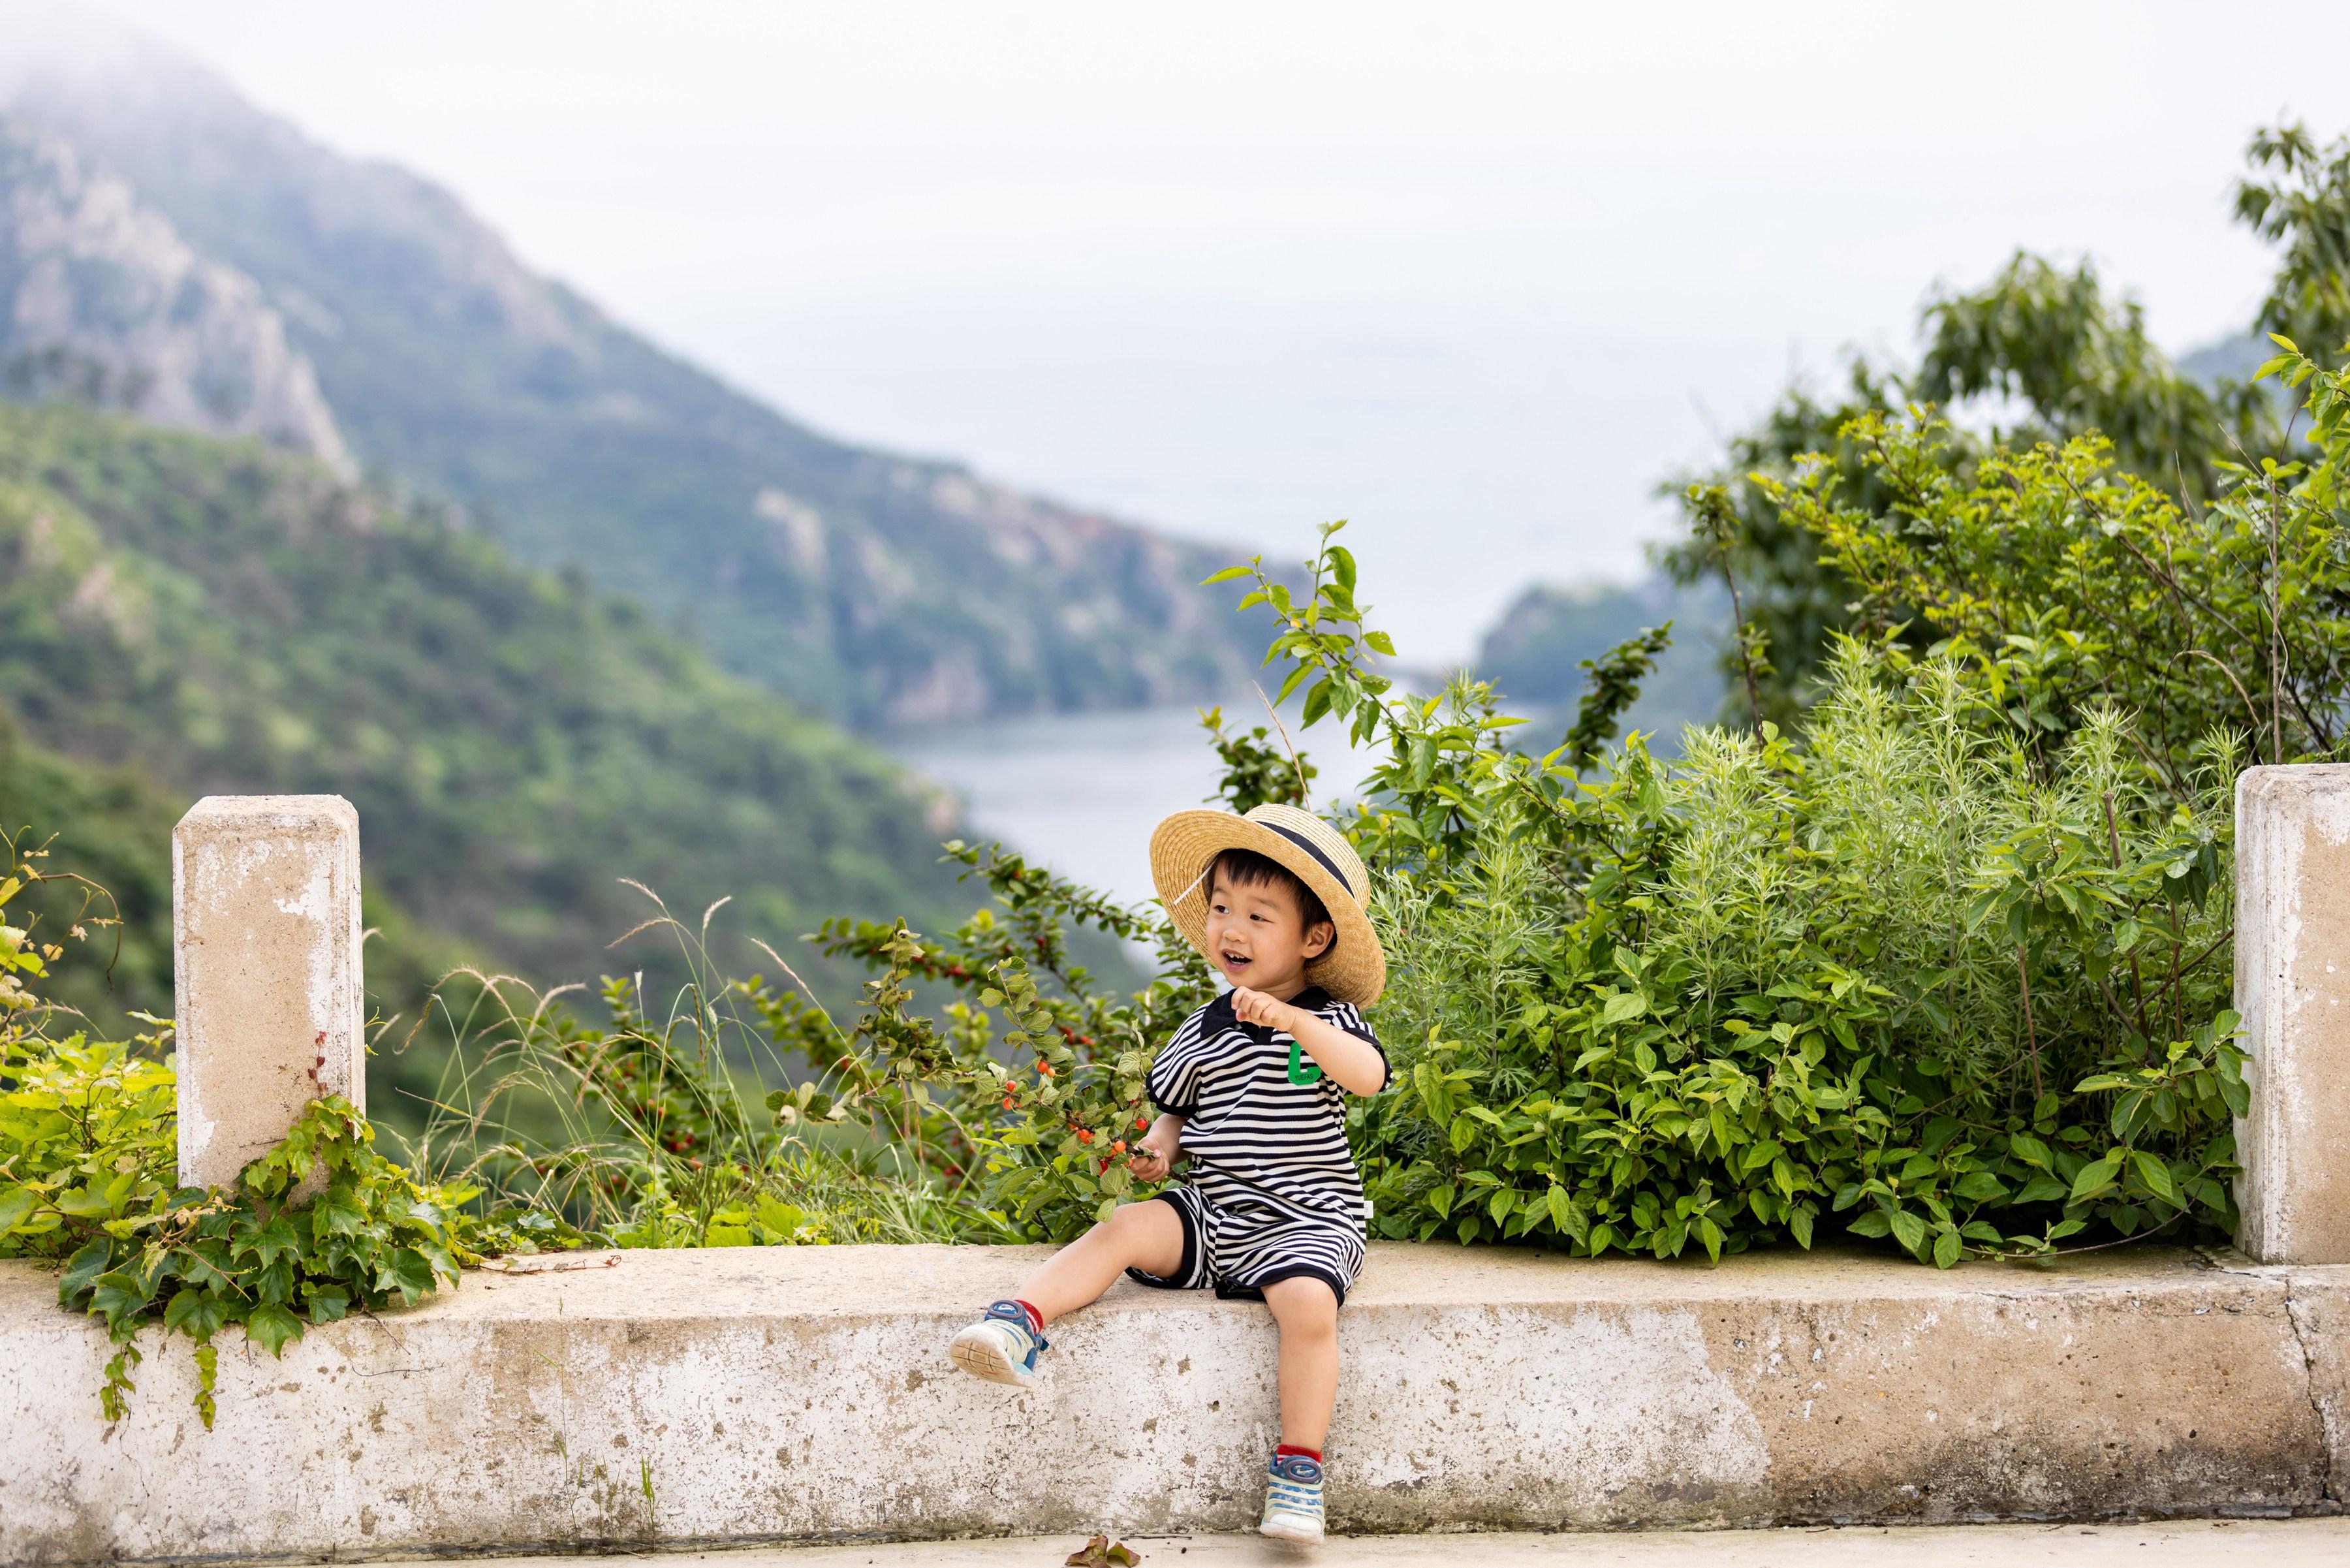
[{"x": 1256, "y": 936}]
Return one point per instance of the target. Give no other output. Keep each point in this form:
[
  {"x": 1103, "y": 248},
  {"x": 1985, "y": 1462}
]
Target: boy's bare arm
[
  {"x": 1353, "y": 1063},
  {"x": 1154, "y": 1158}
]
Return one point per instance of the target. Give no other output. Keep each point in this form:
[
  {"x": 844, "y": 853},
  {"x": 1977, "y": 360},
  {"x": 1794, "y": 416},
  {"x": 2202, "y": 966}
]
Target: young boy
[{"x": 1251, "y": 1091}]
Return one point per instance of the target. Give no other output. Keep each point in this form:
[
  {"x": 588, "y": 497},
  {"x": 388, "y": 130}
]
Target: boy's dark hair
[{"x": 1247, "y": 868}]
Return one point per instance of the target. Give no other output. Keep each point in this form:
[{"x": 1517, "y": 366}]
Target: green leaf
[
  {"x": 2096, "y": 1178},
  {"x": 2151, "y": 1170},
  {"x": 1979, "y": 1187},
  {"x": 270, "y": 1241},
  {"x": 1909, "y": 1230},
  {"x": 197, "y": 1313},
  {"x": 1946, "y": 1247},
  {"x": 338, "y": 1213},
  {"x": 1872, "y": 1224},
  {"x": 15, "y": 1203},
  {"x": 1378, "y": 642},
  {"x": 270, "y": 1325},
  {"x": 117, "y": 1295},
  {"x": 1622, "y": 1006},
  {"x": 82, "y": 1271},
  {"x": 1230, "y": 574}
]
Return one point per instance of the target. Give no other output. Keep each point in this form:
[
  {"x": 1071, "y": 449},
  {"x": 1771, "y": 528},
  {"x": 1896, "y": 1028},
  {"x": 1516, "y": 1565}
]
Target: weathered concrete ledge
[{"x": 763, "y": 1395}]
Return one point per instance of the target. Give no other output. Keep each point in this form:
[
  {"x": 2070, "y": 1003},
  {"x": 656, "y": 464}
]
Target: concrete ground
[{"x": 2186, "y": 1543}]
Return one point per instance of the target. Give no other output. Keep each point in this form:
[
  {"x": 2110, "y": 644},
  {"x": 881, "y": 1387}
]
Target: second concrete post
[{"x": 266, "y": 971}]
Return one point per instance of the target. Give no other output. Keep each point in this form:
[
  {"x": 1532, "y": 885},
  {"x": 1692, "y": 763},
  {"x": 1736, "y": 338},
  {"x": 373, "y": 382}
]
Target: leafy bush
[
  {"x": 320, "y": 1226},
  {"x": 2040, "y": 353}
]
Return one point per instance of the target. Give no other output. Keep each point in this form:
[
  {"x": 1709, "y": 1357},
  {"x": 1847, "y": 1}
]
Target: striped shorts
[{"x": 1240, "y": 1248}]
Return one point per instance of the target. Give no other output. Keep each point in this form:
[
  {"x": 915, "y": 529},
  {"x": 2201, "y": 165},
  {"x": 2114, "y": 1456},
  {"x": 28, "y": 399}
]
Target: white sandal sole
[{"x": 980, "y": 1352}]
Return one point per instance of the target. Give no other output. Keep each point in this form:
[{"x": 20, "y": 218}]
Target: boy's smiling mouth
[{"x": 1234, "y": 962}]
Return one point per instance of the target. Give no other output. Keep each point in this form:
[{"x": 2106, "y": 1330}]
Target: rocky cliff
[{"x": 100, "y": 298}]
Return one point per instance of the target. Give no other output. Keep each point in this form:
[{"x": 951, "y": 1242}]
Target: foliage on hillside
[
  {"x": 862, "y": 584},
  {"x": 2042, "y": 352},
  {"x": 222, "y": 619}
]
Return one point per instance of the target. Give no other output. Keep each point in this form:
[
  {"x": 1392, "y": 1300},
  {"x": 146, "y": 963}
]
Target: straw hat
[{"x": 1185, "y": 844}]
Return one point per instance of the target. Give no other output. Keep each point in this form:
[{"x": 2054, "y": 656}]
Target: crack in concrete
[
  {"x": 2326, "y": 1436},
  {"x": 2227, "y": 1261}
]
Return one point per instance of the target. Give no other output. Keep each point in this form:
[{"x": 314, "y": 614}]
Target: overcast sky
[{"x": 1476, "y": 277}]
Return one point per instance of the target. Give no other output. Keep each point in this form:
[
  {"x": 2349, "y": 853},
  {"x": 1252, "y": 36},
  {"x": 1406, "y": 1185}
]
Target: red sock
[
  {"x": 1288, "y": 1450},
  {"x": 1037, "y": 1325}
]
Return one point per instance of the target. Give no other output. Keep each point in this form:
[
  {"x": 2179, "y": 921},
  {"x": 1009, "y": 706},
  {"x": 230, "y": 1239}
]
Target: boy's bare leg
[
  {"x": 1147, "y": 1236},
  {"x": 1308, "y": 1314}
]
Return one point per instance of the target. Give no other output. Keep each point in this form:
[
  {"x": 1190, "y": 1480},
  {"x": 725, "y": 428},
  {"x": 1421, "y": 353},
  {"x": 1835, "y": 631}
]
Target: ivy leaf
[
  {"x": 15, "y": 1202},
  {"x": 197, "y": 1313},
  {"x": 270, "y": 1241},
  {"x": 117, "y": 1295},
  {"x": 337, "y": 1213},
  {"x": 270, "y": 1325},
  {"x": 82, "y": 1271}
]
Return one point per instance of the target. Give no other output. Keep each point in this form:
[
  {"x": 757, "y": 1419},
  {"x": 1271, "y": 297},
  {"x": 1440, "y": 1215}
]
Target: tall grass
[{"x": 652, "y": 1128}]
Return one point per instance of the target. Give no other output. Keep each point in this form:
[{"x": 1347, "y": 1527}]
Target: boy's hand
[
  {"x": 1153, "y": 1159},
  {"x": 1255, "y": 1007}
]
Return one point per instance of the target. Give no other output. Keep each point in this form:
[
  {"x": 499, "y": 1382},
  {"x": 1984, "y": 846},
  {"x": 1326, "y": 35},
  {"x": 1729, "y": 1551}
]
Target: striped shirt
[{"x": 1264, "y": 1127}]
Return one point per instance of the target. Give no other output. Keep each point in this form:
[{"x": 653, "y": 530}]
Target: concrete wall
[{"x": 746, "y": 1394}]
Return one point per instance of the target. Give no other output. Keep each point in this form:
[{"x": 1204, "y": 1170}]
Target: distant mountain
[
  {"x": 208, "y": 616},
  {"x": 1534, "y": 653},
  {"x": 866, "y": 586},
  {"x": 100, "y": 299}
]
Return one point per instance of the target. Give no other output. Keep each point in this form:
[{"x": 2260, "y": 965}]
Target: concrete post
[
  {"x": 2292, "y": 988},
  {"x": 265, "y": 964}
]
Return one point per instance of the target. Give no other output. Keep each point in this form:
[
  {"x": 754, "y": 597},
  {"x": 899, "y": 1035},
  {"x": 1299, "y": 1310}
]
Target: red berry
[{"x": 1085, "y": 1135}]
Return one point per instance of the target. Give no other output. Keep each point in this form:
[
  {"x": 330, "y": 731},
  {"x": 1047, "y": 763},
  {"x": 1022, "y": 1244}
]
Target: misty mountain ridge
[{"x": 864, "y": 585}]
